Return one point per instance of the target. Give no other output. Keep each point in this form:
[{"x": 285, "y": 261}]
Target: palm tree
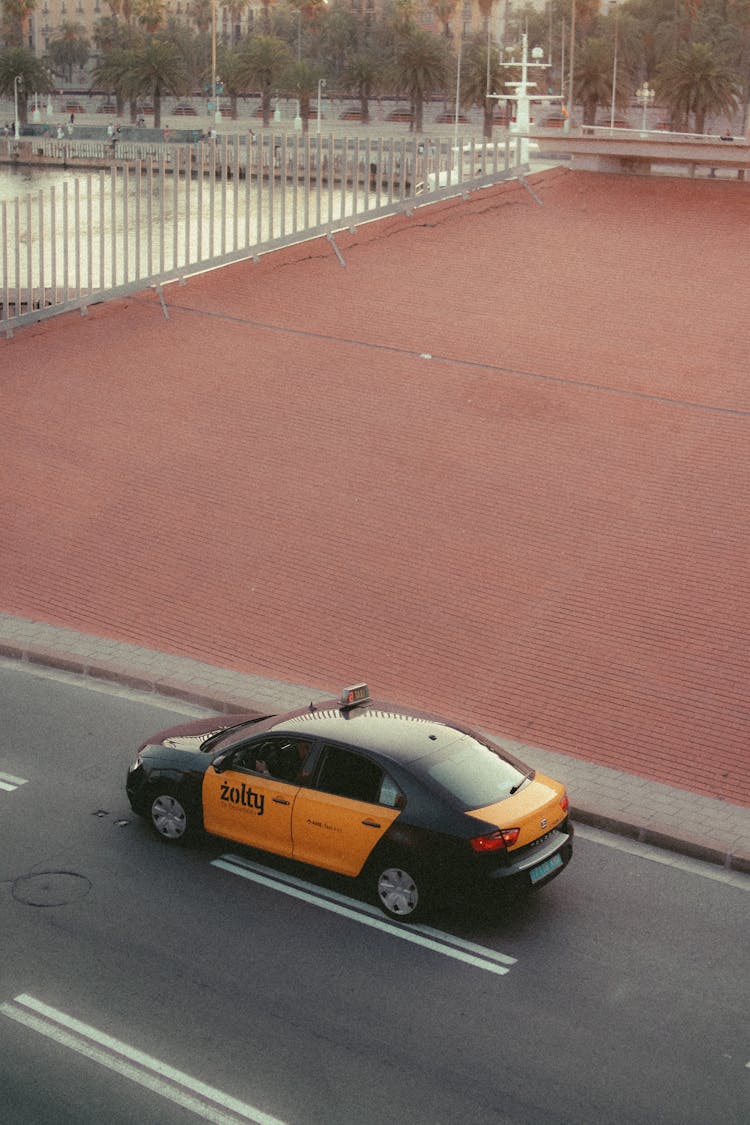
[
  {"x": 694, "y": 80},
  {"x": 68, "y": 48},
  {"x": 151, "y": 15},
  {"x": 262, "y": 62},
  {"x": 122, "y": 8},
  {"x": 230, "y": 68},
  {"x": 474, "y": 73},
  {"x": 158, "y": 69},
  {"x": 201, "y": 13},
  {"x": 344, "y": 34},
  {"x": 302, "y": 80},
  {"x": 14, "y": 26},
  {"x": 107, "y": 34},
  {"x": 361, "y": 76},
  {"x": 444, "y": 10},
  {"x": 422, "y": 66},
  {"x": 115, "y": 74},
  {"x": 593, "y": 77},
  {"x": 266, "y": 18},
  {"x": 18, "y": 62}
]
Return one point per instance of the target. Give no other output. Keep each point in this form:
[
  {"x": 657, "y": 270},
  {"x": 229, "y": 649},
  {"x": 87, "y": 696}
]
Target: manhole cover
[{"x": 50, "y": 888}]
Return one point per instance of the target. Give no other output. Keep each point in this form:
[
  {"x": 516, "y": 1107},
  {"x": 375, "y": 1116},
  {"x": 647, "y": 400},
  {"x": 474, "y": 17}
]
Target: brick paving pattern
[{"x": 497, "y": 465}]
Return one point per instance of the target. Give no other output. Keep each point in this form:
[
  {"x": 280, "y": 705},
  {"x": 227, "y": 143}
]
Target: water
[
  {"x": 66, "y": 235},
  {"x": 81, "y": 232},
  {"x": 16, "y": 181}
]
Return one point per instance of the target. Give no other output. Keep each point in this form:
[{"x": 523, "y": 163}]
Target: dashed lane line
[
  {"x": 9, "y": 783},
  {"x": 478, "y": 956},
  {"x": 127, "y": 1061}
]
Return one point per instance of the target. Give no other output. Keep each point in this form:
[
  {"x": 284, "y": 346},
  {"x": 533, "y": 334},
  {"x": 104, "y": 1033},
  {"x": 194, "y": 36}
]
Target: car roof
[{"x": 396, "y": 733}]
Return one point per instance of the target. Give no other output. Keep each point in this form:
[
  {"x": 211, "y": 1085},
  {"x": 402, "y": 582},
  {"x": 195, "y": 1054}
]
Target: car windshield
[
  {"x": 226, "y": 737},
  {"x": 473, "y": 772}
]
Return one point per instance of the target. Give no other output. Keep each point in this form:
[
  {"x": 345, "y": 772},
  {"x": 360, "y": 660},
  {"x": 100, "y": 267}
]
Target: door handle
[
  {"x": 371, "y": 823},
  {"x": 280, "y": 800}
]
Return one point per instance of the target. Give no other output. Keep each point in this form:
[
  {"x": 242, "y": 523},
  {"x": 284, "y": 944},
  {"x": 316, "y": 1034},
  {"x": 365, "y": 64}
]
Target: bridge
[{"x": 602, "y": 149}]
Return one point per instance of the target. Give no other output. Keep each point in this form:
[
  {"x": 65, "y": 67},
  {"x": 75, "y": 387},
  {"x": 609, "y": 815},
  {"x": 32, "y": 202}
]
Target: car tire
[
  {"x": 170, "y": 819},
  {"x": 399, "y": 889}
]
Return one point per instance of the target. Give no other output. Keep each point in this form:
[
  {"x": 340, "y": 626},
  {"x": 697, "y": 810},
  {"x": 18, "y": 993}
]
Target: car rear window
[{"x": 474, "y": 773}]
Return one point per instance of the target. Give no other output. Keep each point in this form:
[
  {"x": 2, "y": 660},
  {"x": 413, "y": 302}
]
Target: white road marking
[
  {"x": 449, "y": 945},
  {"x": 133, "y": 1064},
  {"x": 8, "y": 783},
  {"x": 661, "y": 855}
]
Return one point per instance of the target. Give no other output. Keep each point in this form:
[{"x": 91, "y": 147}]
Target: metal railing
[{"x": 147, "y": 214}]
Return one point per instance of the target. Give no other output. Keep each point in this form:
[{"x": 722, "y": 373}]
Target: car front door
[
  {"x": 249, "y": 795},
  {"x": 338, "y": 821}
]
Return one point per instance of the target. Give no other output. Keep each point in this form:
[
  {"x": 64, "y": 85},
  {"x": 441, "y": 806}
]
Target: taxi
[{"x": 420, "y": 807}]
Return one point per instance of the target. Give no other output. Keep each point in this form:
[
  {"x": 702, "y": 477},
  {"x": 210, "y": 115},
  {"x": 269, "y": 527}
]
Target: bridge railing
[{"x": 143, "y": 216}]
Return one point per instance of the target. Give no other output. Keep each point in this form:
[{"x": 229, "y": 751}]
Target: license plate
[{"x": 543, "y": 869}]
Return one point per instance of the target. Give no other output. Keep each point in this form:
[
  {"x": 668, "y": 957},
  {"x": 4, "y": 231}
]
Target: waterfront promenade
[{"x": 495, "y": 463}]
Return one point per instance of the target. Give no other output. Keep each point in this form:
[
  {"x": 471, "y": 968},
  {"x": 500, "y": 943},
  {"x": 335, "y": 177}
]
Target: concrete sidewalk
[{"x": 632, "y": 806}]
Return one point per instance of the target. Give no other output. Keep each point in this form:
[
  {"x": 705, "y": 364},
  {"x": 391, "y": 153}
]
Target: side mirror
[{"x": 222, "y": 761}]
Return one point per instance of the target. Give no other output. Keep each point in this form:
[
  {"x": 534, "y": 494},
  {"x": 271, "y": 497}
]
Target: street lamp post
[
  {"x": 645, "y": 94},
  {"x": 614, "y": 4},
  {"x": 216, "y": 113},
  {"x": 16, "y": 130},
  {"x": 298, "y": 114},
  {"x": 571, "y": 64},
  {"x": 321, "y": 84}
]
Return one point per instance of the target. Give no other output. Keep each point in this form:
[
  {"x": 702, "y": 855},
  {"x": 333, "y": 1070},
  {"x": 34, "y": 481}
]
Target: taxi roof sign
[{"x": 351, "y": 696}]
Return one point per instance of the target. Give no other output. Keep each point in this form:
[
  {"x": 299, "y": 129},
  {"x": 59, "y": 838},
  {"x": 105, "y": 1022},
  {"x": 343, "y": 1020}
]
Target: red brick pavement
[{"x": 542, "y": 528}]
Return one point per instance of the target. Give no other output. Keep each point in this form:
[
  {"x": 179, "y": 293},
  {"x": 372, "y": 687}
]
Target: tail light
[
  {"x": 495, "y": 841},
  {"x": 564, "y": 802}
]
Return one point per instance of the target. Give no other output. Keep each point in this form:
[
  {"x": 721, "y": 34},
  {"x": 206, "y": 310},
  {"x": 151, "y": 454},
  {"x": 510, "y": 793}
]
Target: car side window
[
  {"x": 346, "y": 774},
  {"x": 390, "y": 794},
  {"x": 280, "y": 758}
]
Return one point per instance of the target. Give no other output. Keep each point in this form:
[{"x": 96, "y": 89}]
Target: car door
[
  {"x": 249, "y": 794},
  {"x": 350, "y": 805}
]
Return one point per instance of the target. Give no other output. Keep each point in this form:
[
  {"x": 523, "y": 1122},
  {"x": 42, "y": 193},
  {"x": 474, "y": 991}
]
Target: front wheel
[
  {"x": 399, "y": 892},
  {"x": 170, "y": 818}
]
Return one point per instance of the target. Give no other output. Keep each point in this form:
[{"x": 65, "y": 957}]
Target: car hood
[{"x": 189, "y": 736}]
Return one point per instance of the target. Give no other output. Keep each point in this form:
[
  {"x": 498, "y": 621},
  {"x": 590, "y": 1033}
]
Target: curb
[
  {"x": 224, "y": 700},
  {"x": 696, "y": 847}
]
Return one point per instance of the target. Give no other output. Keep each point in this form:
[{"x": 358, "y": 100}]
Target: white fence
[{"x": 155, "y": 213}]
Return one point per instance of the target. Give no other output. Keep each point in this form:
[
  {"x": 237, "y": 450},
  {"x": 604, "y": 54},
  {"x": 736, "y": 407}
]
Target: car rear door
[{"x": 352, "y": 804}]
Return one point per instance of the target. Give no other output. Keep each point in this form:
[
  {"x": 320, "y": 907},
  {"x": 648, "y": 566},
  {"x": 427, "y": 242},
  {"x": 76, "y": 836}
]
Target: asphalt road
[{"x": 144, "y": 983}]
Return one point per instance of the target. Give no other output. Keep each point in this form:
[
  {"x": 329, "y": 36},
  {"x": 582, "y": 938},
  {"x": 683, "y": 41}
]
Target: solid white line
[
  {"x": 78, "y": 1029},
  {"x": 119, "y": 1066},
  {"x": 486, "y": 961},
  {"x": 471, "y": 946},
  {"x": 13, "y": 780},
  {"x": 366, "y": 908},
  {"x": 661, "y": 855}
]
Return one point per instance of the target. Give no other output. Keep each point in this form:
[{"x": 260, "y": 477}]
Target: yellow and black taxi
[{"x": 418, "y": 805}]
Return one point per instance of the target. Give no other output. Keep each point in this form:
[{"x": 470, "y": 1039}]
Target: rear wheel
[
  {"x": 170, "y": 818},
  {"x": 399, "y": 891}
]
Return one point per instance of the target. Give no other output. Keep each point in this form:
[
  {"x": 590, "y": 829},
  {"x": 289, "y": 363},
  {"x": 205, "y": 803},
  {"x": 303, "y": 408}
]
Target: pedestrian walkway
[
  {"x": 492, "y": 458},
  {"x": 608, "y": 799}
]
